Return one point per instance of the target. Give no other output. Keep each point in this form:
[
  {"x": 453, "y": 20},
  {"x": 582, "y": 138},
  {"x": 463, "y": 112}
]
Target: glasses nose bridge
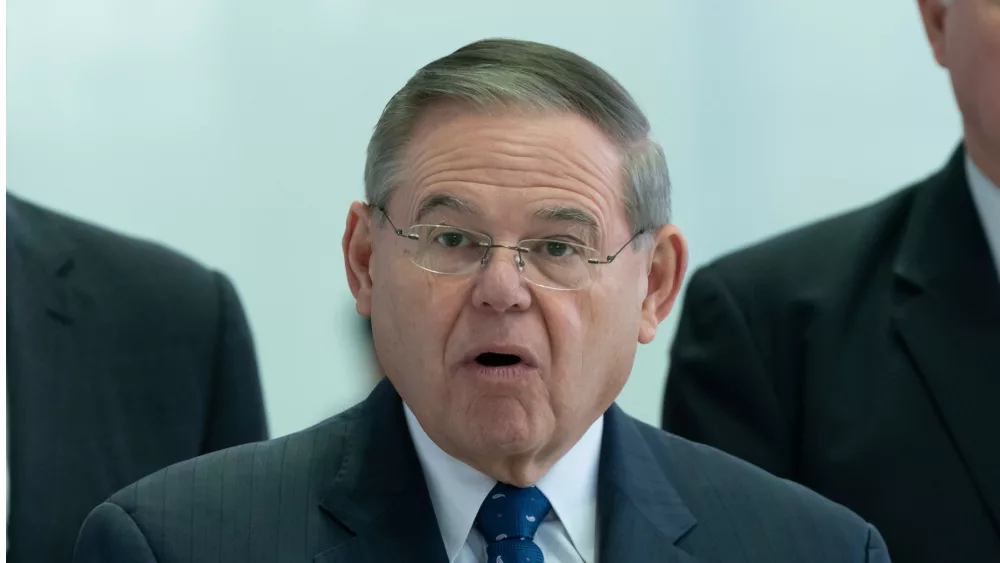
[{"x": 518, "y": 254}]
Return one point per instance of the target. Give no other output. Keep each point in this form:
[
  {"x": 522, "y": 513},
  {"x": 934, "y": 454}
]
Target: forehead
[{"x": 508, "y": 158}]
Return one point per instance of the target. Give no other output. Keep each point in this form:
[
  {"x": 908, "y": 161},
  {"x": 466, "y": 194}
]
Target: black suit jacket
[
  {"x": 352, "y": 490},
  {"x": 860, "y": 356},
  {"x": 122, "y": 358}
]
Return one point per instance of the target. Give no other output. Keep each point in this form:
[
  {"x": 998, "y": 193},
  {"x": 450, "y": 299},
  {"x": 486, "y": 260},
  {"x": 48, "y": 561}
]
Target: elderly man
[
  {"x": 861, "y": 356},
  {"x": 515, "y": 247}
]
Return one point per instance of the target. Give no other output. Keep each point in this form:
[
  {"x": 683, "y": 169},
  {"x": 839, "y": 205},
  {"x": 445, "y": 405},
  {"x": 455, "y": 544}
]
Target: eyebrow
[
  {"x": 437, "y": 201},
  {"x": 571, "y": 215}
]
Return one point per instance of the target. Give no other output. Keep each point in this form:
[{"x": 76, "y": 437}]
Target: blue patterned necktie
[{"x": 508, "y": 520}]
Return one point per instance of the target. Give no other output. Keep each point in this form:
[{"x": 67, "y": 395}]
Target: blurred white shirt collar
[
  {"x": 457, "y": 491},
  {"x": 986, "y": 197}
]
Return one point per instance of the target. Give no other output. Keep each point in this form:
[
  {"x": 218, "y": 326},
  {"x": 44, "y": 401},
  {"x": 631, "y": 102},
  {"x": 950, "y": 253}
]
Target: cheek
[
  {"x": 566, "y": 321},
  {"x": 989, "y": 94},
  {"x": 976, "y": 55},
  {"x": 566, "y": 324},
  {"x": 617, "y": 310},
  {"x": 589, "y": 332},
  {"x": 413, "y": 312}
]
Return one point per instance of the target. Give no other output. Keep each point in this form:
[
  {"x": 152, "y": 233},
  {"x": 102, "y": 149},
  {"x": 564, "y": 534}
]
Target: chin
[{"x": 504, "y": 427}]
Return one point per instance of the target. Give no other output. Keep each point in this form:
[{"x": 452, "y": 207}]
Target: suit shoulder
[
  {"x": 245, "y": 475},
  {"x": 128, "y": 280},
  {"x": 107, "y": 251},
  {"x": 714, "y": 482},
  {"x": 821, "y": 247}
]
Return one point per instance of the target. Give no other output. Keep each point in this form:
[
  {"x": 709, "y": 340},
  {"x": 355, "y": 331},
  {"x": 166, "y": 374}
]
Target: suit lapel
[
  {"x": 379, "y": 495},
  {"x": 640, "y": 514},
  {"x": 947, "y": 312}
]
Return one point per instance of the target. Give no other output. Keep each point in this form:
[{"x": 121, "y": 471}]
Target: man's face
[
  {"x": 572, "y": 350},
  {"x": 965, "y": 36}
]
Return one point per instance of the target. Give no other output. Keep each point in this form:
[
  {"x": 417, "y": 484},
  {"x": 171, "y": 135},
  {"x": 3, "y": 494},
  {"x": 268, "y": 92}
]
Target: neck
[
  {"x": 985, "y": 156},
  {"x": 520, "y": 472},
  {"x": 522, "y": 469}
]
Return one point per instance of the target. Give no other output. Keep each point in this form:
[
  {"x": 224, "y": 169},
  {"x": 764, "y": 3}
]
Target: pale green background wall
[{"x": 235, "y": 132}]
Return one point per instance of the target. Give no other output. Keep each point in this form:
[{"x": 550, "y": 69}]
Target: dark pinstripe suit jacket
[
  {"x": 351, "y": 490},
  {"x": 123, "y": 357}
]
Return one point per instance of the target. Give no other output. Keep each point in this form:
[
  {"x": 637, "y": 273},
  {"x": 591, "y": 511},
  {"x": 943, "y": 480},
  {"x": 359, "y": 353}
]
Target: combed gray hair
[{"x": 506, "y": 72}]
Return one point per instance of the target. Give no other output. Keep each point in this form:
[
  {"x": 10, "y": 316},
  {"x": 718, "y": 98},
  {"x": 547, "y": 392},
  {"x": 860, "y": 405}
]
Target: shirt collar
[
  {"x": 986, "y": 197},
  {"x": 571, "y": 487},
  {"x": 457, "y": 490}
]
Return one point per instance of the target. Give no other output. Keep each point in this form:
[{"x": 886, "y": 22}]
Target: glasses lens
[
  {"x": 557, "y": 264},
  {"x": 448, "y": 250}
]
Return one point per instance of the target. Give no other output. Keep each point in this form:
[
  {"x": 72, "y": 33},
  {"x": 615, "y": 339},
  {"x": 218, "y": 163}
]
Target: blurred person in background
[
  {"x": 122, "y": 358},
  {"x": 860, "y": 356},
  {"x": 514, "y": 249}
]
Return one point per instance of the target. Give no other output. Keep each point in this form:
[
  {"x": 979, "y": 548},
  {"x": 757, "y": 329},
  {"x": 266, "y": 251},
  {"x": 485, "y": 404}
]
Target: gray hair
[{"x": 505, "y": 72}]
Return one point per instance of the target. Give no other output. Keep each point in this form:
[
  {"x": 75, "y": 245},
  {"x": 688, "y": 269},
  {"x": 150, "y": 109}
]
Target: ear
[
  {"x": 934, "y": 13},
  {"x": 357, "y": 246},
  {"x": 668, "y": 263}
]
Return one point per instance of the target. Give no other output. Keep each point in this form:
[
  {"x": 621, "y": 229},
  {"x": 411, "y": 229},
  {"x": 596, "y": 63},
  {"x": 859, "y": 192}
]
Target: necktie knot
[{"x": 508, "y": 520}]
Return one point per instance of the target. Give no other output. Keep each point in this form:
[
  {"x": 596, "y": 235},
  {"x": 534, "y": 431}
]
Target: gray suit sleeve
[
  {"x": 237, "y": 412},
  {"x": 877, "y": 552},
  {"x": 110, "y": 535}
]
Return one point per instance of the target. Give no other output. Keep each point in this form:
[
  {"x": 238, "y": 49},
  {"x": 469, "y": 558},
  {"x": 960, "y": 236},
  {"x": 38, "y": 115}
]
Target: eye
[
  {"x": 558, "y": 249},
  {"x": 452, "y": 239}
]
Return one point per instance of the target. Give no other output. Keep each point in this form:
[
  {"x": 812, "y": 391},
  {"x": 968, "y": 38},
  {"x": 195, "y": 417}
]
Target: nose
[{"x": 500, "y": 286}]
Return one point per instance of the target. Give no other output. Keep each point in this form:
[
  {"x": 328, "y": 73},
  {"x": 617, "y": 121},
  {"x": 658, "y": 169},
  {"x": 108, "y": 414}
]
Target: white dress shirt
[
  {"x": 567, "y": 535},
  {"x": 986, "y": 196}
]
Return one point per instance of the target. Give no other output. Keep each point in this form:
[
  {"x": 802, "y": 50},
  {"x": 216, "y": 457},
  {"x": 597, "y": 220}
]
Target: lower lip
[{"x": 516, "y": 371}]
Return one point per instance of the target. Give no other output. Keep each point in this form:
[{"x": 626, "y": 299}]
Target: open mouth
[{"x": 495, "y": 360}]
